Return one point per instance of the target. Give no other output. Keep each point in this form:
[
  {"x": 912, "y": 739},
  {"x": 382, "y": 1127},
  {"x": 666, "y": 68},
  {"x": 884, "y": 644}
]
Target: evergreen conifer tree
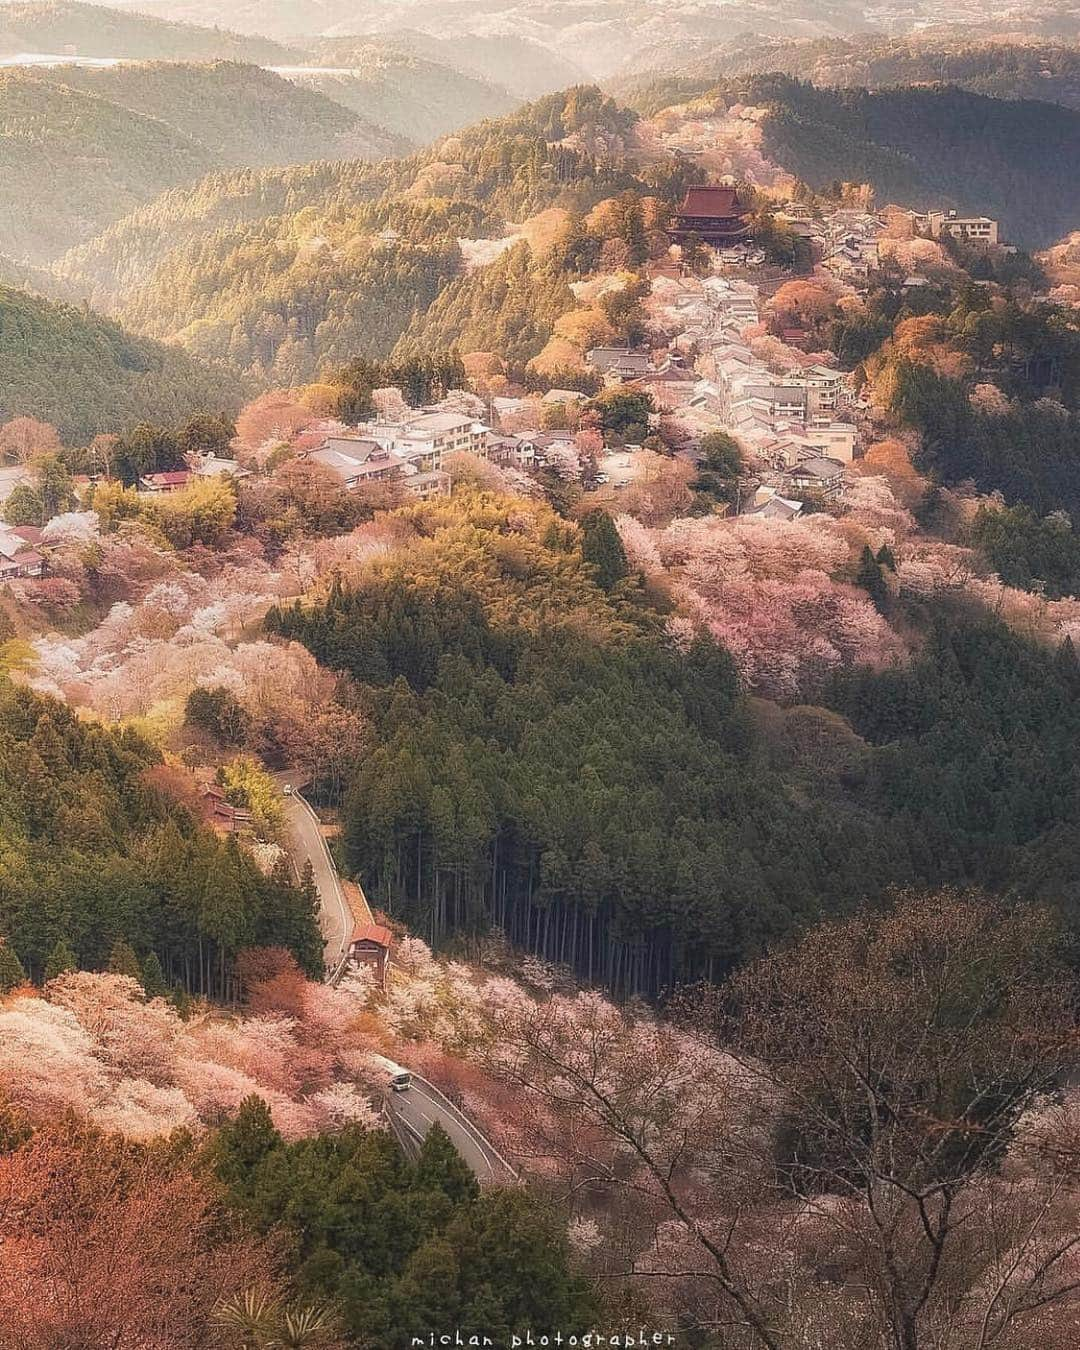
[
  {"x": 153, "y": 977},
  {"x": 871, "y": 579},
  {"x": 123, "y": 961},
  {"x": 601, "y": 546},
  {"x": 60, "y": 960},
  {"x": 12, "y": 974},
  {"x": 441, "y": 1167}
]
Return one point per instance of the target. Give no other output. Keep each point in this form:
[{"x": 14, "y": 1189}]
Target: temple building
[{"x": 714, "y": 214}]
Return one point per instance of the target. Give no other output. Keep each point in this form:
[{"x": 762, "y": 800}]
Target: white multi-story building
[
  {"x": 412, "y": 450},
  {"x": 968, "y": 229}
]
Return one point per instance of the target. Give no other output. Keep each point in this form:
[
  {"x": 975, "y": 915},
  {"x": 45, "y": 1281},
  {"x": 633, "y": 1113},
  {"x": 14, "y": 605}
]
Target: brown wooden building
[
  {"x": 370, "y": 946},
  {"x": 715, "y": 214}
]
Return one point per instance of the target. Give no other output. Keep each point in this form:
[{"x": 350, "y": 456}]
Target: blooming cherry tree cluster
[{"x": 95, "y": 1045}]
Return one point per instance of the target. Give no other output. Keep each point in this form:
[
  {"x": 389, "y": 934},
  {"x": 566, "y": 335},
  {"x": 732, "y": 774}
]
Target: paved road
[
  {"x": 306, "y": 844},
  {"x": 412, "y": 1112},
  {"x": 415, "y": 1110}
]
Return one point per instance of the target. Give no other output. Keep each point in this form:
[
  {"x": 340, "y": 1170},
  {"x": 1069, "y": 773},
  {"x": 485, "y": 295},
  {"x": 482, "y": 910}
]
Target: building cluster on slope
[
  {"x": 411, "y": 450},
  {"x": 795, "y": 426}
]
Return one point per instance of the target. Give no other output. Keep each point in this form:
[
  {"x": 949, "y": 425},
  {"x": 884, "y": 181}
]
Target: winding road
[
  {"x": 413, "y": 1112},
  {"x": 305, "y": 842}
]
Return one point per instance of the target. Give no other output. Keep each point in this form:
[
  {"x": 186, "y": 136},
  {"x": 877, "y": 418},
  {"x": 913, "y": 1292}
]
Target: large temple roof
[{"x": 711, "y": 201}]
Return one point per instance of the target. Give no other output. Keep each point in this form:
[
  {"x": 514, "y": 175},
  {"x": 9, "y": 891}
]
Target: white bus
[{"x": 399, "y": 1078}]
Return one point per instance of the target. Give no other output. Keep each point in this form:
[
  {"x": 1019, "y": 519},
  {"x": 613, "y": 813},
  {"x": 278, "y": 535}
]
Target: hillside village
[
  {"x": 799, "y": 420},
  {"x": 539, "y": 712}
]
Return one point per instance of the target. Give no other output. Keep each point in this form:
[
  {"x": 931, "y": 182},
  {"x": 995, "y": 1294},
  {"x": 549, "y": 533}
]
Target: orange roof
[{"x": 373, "y": 932}]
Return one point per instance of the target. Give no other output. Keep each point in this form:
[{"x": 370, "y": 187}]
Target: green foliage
[
  {"x": 422, "y": 379},
  {"x": 203, "y": 512},
  {"x": 1026, "y": 551},
  {"x": 248, "y": 784},
  {"x": 624, "y": 311},
  {"x": 72, "y": 163},
  {"x": 152, "y": 977},
  {"x": 543, "y": 762},
  {"x": 624, "y": 413},
  {"x": 207, "y": 433},
  {"x": 601, "y": 546},
  {"x": 927, "y": 146},
  {"x": 872, "y": 579},
  {"x": 509, "y": 307},
  {"x": 218, "y": 711},
  {"x": 123, "y": 961},
  {"x": 86, "y": 375},
  {"x": 1030, "y": 454},
  {"x": 403, "y": 1250},
  {"x": 50, "y": 491},
  {"x": 975, "y": 743},
  {"x": 92, "y": 852},
  {"x": 60, "y": 960},
  {"x": 720, "y": 467},
  {"x": 441, "y": 1167},
  {"x": 239, "y": 1148},
  {"x": 12, "y": 974}
]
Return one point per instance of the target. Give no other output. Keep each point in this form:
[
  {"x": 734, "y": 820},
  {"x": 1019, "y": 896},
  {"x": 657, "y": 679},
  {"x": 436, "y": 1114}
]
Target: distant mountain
[
  {"x": 81, "y": 147},
  {"x": 241, "y": 114},
  {"x": 283, "y": 272},
  {"x": 1049, "y": 71},
  {"x": 599, "y": 37},
  {"x": 70, "y": 162},
  {"x": 406, "y": 93},
  {"x": 85, "y": 374},
  {"x": 54, "y": 26},
  {"x": 523, "y": 66}
]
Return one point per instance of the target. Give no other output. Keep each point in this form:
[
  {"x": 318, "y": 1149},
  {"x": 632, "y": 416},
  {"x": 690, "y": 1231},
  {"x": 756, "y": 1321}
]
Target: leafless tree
[{"x": 856, "y": 1144}]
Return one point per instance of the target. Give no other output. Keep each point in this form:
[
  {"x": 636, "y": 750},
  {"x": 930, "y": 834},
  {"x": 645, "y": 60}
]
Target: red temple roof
[{"x": 711, "y": 201}]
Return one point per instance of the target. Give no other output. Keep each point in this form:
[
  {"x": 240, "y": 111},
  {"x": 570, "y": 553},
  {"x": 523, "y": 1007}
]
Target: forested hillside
[
  {"x": 95, "y": 853},
  {"x": 53, "y": 26},
  {"x": 1047, "y": 71},
  {"x": 933, "y": 147},
  {"x": 72, "y": 162},
  {"x": 242, "y": 115},
  {"x": 547, "y": 762},
  {"x": 411, "y": 96},
  {"x": 81, "y": 147},
  {"x": 286, "y": 271},
  {"x": 920, "y": 147},
  {"x": 515, "y": 63},
  {"x": 84, "y": 374}
]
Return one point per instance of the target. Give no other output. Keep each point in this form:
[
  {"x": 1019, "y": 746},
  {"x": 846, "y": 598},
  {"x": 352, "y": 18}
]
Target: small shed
[
  {"x": 222, "y": 813},
  {"x": 370, "y": 946}
]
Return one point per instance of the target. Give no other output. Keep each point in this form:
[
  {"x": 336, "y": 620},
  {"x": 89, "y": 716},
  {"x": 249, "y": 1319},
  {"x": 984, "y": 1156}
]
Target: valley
[{"x": 539, "y": 694}]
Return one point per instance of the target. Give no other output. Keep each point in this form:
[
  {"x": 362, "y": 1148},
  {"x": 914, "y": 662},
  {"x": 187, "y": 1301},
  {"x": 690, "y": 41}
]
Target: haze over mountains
[
  {"x": 603, "y": 37},
  {"x": 171, "y": 192}
]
